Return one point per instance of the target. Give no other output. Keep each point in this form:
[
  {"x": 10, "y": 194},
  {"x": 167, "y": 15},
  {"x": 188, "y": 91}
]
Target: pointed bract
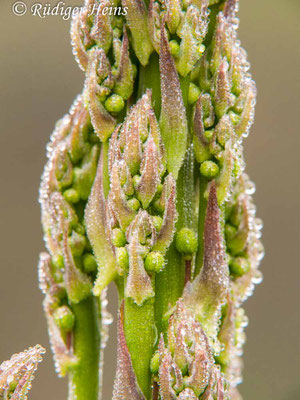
[
  {"x": 124, "y": 76},
  {"x": 138, "y": 286},
  {"x": 138, "y": 24},
  {"x": 150, "y": 177},
  {"x": 173, "y": 122},
  {"x": 102, "y": 121},
  {"x": 207, "y": 293},
  {"x": 125, "y": 386},
  {"x": 166, "y": 233},
  {"x": 95, "y": 222}
]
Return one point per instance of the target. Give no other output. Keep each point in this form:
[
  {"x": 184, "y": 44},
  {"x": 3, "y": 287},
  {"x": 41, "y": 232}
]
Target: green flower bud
[
  {"x": 136, "y": 180},
  {"x": 186, "y": 241},
  {"x": 118, "y": 238},
  {"x": 72, "y": 196},
  {"x": 208, "y": 135},
  {"x": 77, "y": 243},
  {"x": 194, "y": 93},
  {"x": 58, "y": 261},
  {"x": 154, "y": 364},
  {"x": 239, "y": 266},
  {"x": 89, "y": 263},
  {"x": 154, "y": 262},
  {"x": 209, "y": 169},
  {"x": 114, "y": 104},
  {"x": 174, "y": 48},
  {"x": 134, "y": 204},
  {"x": 12, "y": 386},
  {"x": 63, "y": 169},
  {"x": 230, "y": 232},
  {"x": 157, "y": 222},
  {"x": 64, "y": 318},
  {"x": 122, "y": 258}
]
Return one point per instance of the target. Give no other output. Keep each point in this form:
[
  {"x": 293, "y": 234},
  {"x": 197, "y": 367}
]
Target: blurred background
[{"x": 38, "y": 82}]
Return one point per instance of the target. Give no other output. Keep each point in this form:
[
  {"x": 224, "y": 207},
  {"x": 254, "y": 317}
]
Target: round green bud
[
  {"x": 157, "y": 222},
  {"x": 174, "y": 48},
  {"x": 64, "y": 318},
  {"x": 194, "y": 93},
  {"x": 134, "y": 204},
  {"x": 122, "y": 258},
  {"x": 208, "y": 134},
  {"x": 154, "y": 261},
  {"x": 136, "y": 180},
  {"x": 77, "y": 243},
  {"x": 89, "y": 263},
  {"x": 154, "y": 364},
  {"x": 114, "y": 104},
  {"x": 118, "y": 238},
  {"x": 114, "y": 70},
  {"x": 12, "y": 386},
  {"x": 58, "y": 261},
  {"x": 72, "y": 196},
  {"x": 239, "y": 266},
  {"x": 209, "y": 169},
  {"x": 230, "y": 231},
  {"x": 186, "y": 241}
]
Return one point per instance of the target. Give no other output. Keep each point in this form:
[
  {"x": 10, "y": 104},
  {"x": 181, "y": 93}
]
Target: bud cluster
[
  {"x": 140, "y": 211},
  {"x": 224, "y": 96},
  {"x": 67, "y": 272},
  {"x": 186, "y": 364},
  {"x": 242, "y": 233},
  {"x": 186, "y": 23},
  {"x": 17, "y": 373}
]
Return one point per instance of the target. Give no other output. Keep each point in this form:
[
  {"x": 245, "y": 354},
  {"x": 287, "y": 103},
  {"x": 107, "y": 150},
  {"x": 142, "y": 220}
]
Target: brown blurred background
[{"x": 39, "y": 80}]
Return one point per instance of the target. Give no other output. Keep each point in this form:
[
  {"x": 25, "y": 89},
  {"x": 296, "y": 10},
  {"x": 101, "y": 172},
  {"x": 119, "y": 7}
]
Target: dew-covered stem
[
  {"x": 140, "y": 333},
  {"x": 84, "y": 379}
]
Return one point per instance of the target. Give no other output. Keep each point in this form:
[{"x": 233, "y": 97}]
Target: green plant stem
[
  {"x": 84, "y": 377},
  {"x": 168, "y": 287},
  {"x": 201, "y": 221},
  {"x": 106, "y": 180},
  {"x": 140, "y": 333}
]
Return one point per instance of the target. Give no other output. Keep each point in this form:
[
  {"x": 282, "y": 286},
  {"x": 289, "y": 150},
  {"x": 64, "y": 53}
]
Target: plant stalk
[{"x": 84, "y": 380}]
